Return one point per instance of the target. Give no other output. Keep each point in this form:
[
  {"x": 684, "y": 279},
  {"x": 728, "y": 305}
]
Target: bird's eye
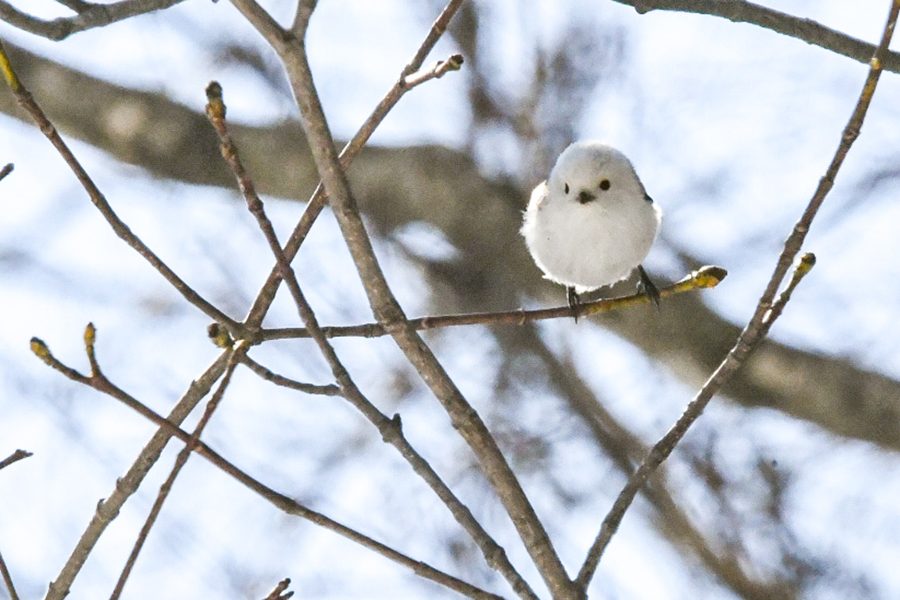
[
  {"x": 604, "y": 184},
  {"x": 567, "y": 188}
]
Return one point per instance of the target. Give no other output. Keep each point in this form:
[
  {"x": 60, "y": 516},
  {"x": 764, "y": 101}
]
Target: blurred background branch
[{"x": 445, "y": 187}]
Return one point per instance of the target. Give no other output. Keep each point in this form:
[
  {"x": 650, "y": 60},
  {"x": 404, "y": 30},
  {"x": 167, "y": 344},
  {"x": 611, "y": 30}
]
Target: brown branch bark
[
  {"x": 387, "y": 311},
  {"x": 14, "y": 457},
  {"x": 7, "y": 580}
]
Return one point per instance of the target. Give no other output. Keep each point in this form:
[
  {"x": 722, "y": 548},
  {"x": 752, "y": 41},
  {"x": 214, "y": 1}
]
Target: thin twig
[
  {"x": 705, "y": 277},
  {"x": 169, "y": 427},
  {"x": 281, "y": 380},
  {"x": 390, "y": 429},
  {"x": 4, "y": 571},
  {"x": 14, "y": 457},
  {"x": 89, "y": 15},
  {"x": 806, "y": 30},
  {"x": 98, "y": 381},
  {"x": 279, "y": 592},
  {"x": 767, "y": 310},
  {"x": 180, "y": 462},
  {"x": 438, "y": 70},
  {"x": 27, "y": 102},
  {"x": 6, "y": 170},
  {"x": 804, "y": 265},
  {"x": 304, "y": 12},
  {"x": 7, "y": 579}
]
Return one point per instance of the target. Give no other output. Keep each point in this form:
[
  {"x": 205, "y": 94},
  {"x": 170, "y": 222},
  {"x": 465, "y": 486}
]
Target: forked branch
[
  {"x": 390, "y": 428},
  {"x": 388, "y": 312},
  {"x": 107, "y": 510}
]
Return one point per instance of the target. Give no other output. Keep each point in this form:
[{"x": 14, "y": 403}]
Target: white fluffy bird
[{"x": 591, "y": 223}]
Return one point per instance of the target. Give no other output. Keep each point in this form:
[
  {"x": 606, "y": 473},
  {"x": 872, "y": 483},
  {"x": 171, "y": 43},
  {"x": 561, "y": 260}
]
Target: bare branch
[
  {"x": 667, "y": 443},
  {"x": 279, "y": 592},
  {"x": 6, "y": 170},
  {"x": 169, "y": 427},
  {"x": 122, "y": 230},
  {"x": 281, "y": 380},
  {"x": 7, "y": 579},
  {"x": 351, "y": 149},
  {"x": 180, "y": 461},
  {"x": 268, "y": 27},
  {"x": 108, "y": 509},
  {"x": 389, "y": 313},
  {"x": 767, "y": 310},
  {"x": 305, "y": 10},
  {"x": 390, "y": 429},
  {"x": 805, "y": 30},
  {"x": 89, "y": 15},
  {"x": 14, "y": 457},
  {"x": 626, "y": 450}
]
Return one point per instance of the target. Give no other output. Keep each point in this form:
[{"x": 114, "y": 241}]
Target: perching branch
[
  {"x": 806, "y": 30},
  {"x": 767, "y": 311},
  {"x": 90, "y": 15},
  {"x": 705, "y": 277}
]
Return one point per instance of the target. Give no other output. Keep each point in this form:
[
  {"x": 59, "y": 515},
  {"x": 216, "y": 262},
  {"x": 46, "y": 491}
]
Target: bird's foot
[
  {"x": 574, "y": 302},
  {"x": 647, "y": 287}
]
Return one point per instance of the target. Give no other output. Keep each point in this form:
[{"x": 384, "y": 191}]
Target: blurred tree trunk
[{"x": 479, "y": 216}]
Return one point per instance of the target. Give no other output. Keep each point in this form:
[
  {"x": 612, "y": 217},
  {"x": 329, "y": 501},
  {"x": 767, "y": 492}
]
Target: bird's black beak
[{"x": 585, "y": 196}]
